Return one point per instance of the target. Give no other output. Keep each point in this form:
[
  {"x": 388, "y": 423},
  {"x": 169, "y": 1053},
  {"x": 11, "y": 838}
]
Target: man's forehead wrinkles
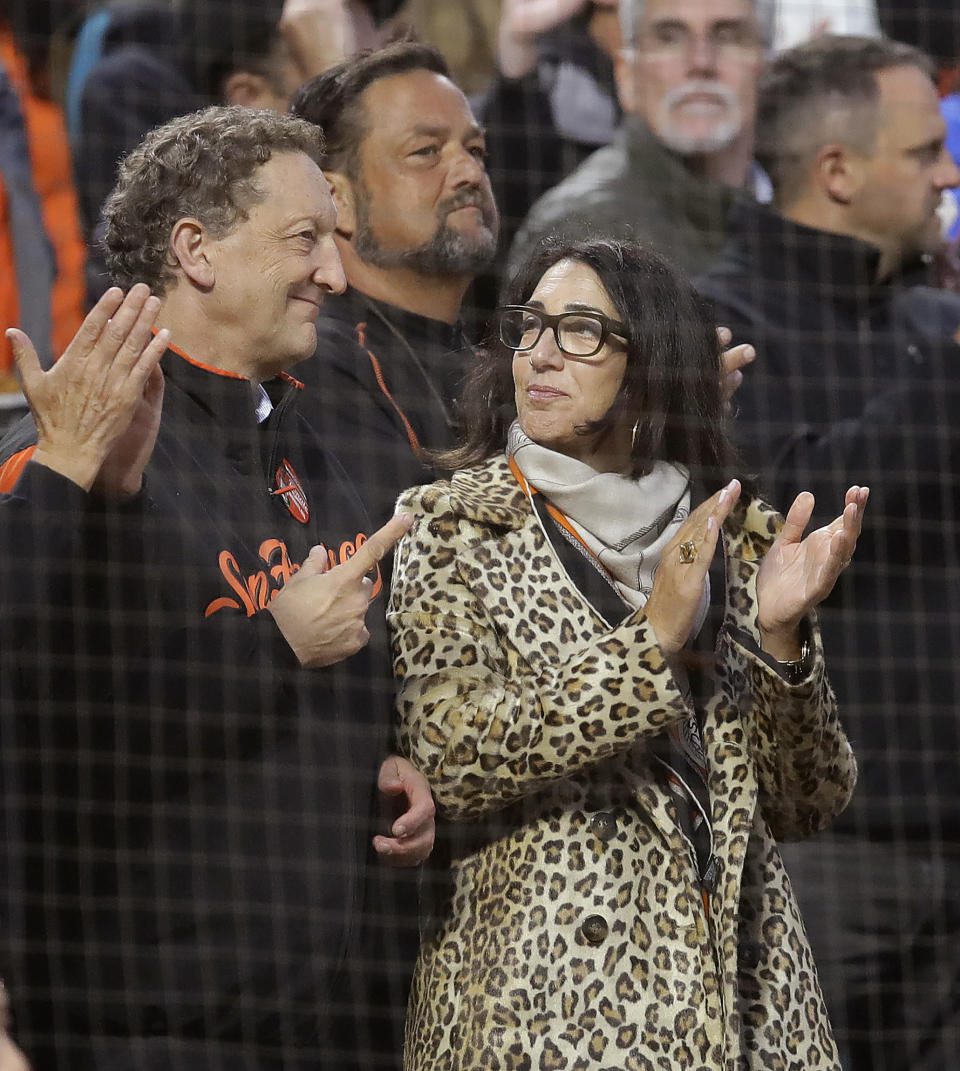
[{"x": 430, "y": 129}]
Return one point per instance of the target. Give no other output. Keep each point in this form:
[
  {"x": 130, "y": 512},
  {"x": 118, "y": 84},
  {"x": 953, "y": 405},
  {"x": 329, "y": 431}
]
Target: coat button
[
  {"x": 595, "y": 929},
  {"x": 749, "y": 955},
  {"x": 604, "y": 825}
]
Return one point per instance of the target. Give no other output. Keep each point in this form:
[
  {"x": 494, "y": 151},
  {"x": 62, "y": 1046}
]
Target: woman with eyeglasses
[{"x": 619, "y": 720}]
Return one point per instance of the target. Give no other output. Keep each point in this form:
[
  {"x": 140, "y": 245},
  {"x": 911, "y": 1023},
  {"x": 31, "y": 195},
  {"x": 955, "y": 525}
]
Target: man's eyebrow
[
  {"x": 736, "y": 22},
  {"x": 730, "y": 21},
  {"x": 668, "y": 23},
  {"x": 431, "y": 130},
  {"x": 929, "y": 145},
  {"x": 438, "y": 130}
]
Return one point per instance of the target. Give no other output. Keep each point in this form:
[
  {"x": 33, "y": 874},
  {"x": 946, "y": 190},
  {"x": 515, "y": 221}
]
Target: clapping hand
[
  {"x": 678, "y": 585},
  {"x": 798, "y": 573},
  {"x": 98, "y": 408}
]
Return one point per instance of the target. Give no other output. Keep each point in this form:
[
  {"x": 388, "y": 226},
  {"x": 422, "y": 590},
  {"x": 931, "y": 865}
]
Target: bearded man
[
  {"x": 405, "y": 159},
  {"x": 686, "y": 80}
]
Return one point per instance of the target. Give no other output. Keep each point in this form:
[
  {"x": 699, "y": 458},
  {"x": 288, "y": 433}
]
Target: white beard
[{"x": 723, "y": 131}]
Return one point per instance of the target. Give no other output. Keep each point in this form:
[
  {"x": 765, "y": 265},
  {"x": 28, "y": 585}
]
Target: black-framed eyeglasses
[{"x": 578, "y": 334}]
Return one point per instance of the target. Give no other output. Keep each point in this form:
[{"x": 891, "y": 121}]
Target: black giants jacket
[
  {"x": 185, "y": 810},
  {"x": 382, "y": 385}
]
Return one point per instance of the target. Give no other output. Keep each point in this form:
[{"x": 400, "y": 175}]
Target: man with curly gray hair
[
  {"x": 193, "y": 695},
  {"x": 204, "y": 165}
]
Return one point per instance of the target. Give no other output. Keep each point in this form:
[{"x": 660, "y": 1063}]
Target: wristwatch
[{"x": 796, "y": 669}]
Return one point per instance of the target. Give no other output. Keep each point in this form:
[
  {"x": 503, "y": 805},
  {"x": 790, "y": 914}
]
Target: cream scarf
[{"x": 625, "y": 522}]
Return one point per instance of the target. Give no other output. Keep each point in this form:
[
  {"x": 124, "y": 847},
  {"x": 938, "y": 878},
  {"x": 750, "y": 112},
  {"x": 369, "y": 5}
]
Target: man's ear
[
  {"x": 625, "y": 73},
  {"x": 249, "y": 90},
  {"x": 344, "y": 197},
  {"x": 189, "y": 243},
  {"x": 839, "y": 173}
]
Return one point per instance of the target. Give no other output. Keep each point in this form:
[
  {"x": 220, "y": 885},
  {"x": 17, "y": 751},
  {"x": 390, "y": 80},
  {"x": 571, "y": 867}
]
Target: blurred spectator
[
  {"x": 553, "y": 100},
  {"x": 800, "y": 20},
  {"x": 856, "y": 382},
  {"x": 156, "y": 60},
  {"x": 686, "y": 79},
  {"x": 40, "y": 241},
  {"x": 933, "y": 27},
  {"x": 137, "y": 80},
  {"x": 465, "y": 32}
]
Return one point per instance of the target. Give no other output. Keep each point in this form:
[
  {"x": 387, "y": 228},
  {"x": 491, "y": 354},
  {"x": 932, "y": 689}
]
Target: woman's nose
[{"x": 546, "y": 353}]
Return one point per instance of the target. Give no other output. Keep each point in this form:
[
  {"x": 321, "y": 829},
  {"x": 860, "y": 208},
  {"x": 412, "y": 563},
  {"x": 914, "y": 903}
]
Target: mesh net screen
[{"x": 187, "y": 874}]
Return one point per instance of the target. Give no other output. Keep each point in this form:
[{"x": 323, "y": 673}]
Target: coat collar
[
  {"x": 353, "y": 307},
  {"x": 221, "y": 406},
  {"x": 703, "y": 201},
  {"x": 488, "y": 493}
]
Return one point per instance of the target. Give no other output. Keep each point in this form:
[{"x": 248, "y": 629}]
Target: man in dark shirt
[
  {"x": 857, "y": 382},
  {"x": 193, "y": 695},
  {"x": 416, "y": 222}
]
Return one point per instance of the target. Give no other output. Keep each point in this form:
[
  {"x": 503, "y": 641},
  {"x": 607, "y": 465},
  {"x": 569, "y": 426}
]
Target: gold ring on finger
[{"x": 688, "y": 552}]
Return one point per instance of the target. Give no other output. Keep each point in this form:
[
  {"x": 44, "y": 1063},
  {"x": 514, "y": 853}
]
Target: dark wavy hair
[
  {"x": 202, "y": 165},
  {"x": 671, "y": 386},
  {"x": 334, "y": 100}
]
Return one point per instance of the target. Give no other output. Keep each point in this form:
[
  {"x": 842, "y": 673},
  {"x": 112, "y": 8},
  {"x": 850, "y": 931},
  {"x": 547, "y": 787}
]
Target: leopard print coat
[{"x": 576, "y": 934}]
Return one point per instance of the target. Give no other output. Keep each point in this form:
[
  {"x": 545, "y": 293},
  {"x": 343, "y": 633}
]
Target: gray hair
[
  {"x": 823, "y": 91},
  {"x": 631, "y": 12}
]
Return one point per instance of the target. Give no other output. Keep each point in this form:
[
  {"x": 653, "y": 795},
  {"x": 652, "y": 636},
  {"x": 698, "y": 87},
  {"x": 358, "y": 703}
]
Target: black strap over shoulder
[{"x": 583, "y": 569}]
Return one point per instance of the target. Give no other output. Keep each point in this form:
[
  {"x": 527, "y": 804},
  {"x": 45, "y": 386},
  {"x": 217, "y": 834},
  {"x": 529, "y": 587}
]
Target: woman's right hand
[{"x": 678, "y": 584}]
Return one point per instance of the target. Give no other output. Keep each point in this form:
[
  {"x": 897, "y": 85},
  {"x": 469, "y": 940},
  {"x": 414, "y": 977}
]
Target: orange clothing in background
[{"x": 53, "y": 182}]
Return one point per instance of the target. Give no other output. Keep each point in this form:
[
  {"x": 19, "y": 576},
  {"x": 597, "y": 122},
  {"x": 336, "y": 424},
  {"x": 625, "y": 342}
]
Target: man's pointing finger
[{"x": 378, "y": 545}]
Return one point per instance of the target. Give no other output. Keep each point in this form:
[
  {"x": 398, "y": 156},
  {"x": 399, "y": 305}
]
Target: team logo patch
[{"x": 290, "y": 489}]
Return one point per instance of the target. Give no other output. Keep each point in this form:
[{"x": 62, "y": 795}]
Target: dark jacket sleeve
[{"x": 898, "y": 436}]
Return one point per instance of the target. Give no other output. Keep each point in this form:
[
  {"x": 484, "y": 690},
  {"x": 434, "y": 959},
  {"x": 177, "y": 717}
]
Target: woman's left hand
[{"x": 797, "y": 574}]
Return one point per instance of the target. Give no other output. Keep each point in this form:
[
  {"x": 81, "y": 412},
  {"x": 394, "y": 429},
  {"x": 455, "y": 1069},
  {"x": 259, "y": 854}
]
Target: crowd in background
[{"x": 82, "y": 82}]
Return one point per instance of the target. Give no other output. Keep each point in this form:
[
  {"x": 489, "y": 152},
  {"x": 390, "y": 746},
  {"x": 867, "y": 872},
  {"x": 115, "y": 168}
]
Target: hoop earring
[{"x": 633, "y": 435}]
